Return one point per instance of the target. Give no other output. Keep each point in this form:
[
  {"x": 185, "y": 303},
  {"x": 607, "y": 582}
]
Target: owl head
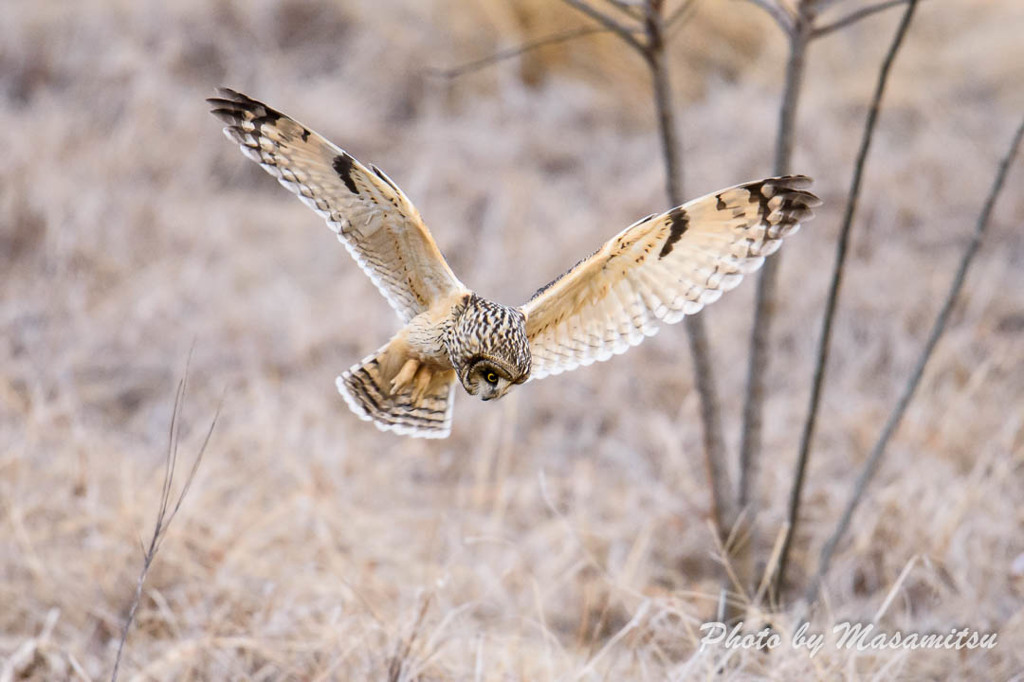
[{"x": 488, "y": 348}]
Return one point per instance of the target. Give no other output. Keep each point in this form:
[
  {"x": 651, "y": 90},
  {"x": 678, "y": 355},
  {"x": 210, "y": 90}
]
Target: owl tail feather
[{"x": 399, "y": 394}]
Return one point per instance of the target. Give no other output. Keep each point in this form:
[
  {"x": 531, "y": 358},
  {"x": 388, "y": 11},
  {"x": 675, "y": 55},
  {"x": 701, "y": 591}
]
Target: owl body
[
  {"x": 652, "y": 273},
  {"x": 407, "y": 384}
]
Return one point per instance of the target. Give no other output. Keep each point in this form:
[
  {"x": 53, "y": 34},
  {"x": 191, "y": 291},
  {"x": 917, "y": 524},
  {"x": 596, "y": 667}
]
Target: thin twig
[
  {"x": 512, "y": 52},
  {"x": 608, "y": 22},
  {"x": 832, "y": 299},
  {"x": 750, "y": 443},
  {"x": 664, "y": 107},
  {"x": 673, "y": 21},
  {"x": 751, "y": 436},
  {"x": 722, "y": 511},
  {"x": 165, "y": 514},
  {"x": 764, "y": 305},
  {"x": 403, "y": 648},
  {"x": 782, "y": 16},
  {"x": 680, "y": 12},
  {"x": 629, "y": 8},
  {"x": 653, "y": 51},
  {"x": 823, "y": 5},
  {"x": 854, "y": 17},
  {"x": 871, "y": 465}
]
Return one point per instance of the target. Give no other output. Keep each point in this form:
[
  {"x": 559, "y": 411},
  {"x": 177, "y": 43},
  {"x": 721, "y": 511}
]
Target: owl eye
[{"x": 491, "y": 378}]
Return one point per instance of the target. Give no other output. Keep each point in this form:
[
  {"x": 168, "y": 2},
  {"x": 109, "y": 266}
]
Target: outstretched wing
[
  {"x": 371, "y": 216},
  {"x": 660, "y": 269}
]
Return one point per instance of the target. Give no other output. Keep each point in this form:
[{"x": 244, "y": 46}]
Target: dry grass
[{"x": 561, "y": 533}]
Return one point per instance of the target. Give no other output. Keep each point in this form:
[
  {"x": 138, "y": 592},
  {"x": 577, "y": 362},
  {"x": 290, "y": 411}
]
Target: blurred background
[{"x": 563, "y": 532}]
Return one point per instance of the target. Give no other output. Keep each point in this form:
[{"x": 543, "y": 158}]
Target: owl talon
[
  {"x": 423, "y": 377},
  {"x": 656, "y": 271},
  {"x": 405, "y": 375}
]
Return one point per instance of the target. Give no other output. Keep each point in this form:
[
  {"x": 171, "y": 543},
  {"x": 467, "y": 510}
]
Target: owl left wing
[
  {"x": 660, "y": 269},
  {"x": 371, "y": 216}
]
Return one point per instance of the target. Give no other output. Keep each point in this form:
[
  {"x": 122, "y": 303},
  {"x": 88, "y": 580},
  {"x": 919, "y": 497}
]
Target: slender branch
[
  {"x": 750, "y": 443},
  {"x": 499, "y": 56},
  {"x": 832, "y": 299},
  {"x": 674, "y": 20},
  {"x": 854, "y": 17},
  {"x": 782, "y": 16},
  {"x": 664, "y": 107},
  {"x": 608, "y": 22},
  {"x": 165, "y": 513},
  {"x": 714, "y": 441},
  {"x": 627, "y": 7},
  {"x": 512, "y": 52},
  {"x": 823, "y": 5},
  {"x": 941, "y": 320},
  {"x": 678, "y": 12},
  {"x": 723, "y": 510},
  {"x": 764, "y": 305},
  {"x": 653, "y": 52}
]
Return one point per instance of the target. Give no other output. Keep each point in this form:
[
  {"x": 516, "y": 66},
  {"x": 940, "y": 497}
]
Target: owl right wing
[
  {"x": 371, "y": 216},
  {"x": 660, "y": 269}
]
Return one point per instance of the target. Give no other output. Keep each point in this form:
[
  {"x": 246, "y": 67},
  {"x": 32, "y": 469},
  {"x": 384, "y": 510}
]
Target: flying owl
[{"x": 654, "y": 272}]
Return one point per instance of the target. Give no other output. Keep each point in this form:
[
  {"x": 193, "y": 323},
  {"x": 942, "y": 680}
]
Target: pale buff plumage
[{"x": 653, "y": 272}]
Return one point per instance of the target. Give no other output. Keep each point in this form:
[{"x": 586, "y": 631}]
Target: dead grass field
[{"x": 561, "y": 533}]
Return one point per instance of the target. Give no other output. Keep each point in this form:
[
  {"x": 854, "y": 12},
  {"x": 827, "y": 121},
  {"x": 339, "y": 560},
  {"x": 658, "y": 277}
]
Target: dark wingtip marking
[
  {"x": 232, "y": 100},
  {"x": 343, "y": 167},
  {"x": 226, "y": 115},
  {"x": 305, "y": 134},
  {"x": 760, "y": 197},
  {"x": 380, "y": 174},
  {"x": 678, "y": 223},
  {"x": 719, "y": 204}
]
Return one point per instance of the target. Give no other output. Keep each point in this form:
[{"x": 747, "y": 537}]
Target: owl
[{"x": 654, "y": 272}]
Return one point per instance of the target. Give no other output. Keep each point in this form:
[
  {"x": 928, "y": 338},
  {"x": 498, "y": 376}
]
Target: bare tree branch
[
  {"x": 722, "y": 510},
  {"x": 682, "y": 11},
  {"x": 631, "y": 8},
  {"x": 664, "y": 107},
  {"x": 165, "y": 513},
  {"x": 608, "y": 22},
  {"x": 653, "y": 51},
  {"x": 822, "y": 5},
  {"x": 764, "y": 306},
  {"x": 512, "y": 52},
  {"x": 941, "y": 320},
  {"x": 854, "y": 17},
  {"x": 825, "y": 340},
  {"x": 782, "y": 16},
  {"x": 673, "y": 21},
  {"x": 752, "y": 409}
]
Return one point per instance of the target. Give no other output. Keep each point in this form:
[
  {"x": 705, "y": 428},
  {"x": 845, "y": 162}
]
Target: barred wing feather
[
  {"x": 660, "y": 269},
  {"x": 369, "y": 213}
]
